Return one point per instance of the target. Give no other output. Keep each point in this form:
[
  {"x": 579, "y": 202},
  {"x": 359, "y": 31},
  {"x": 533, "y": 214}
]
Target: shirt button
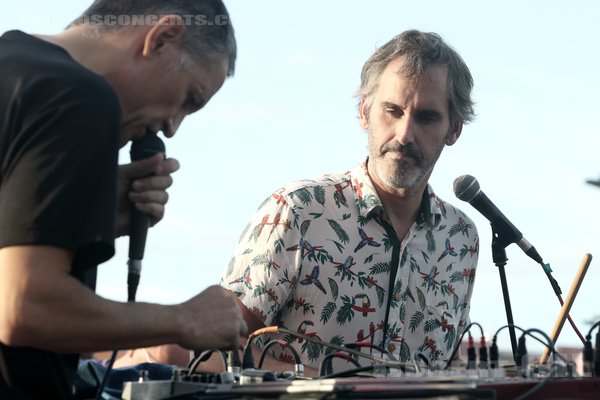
[{"x": 397, "y": 296}]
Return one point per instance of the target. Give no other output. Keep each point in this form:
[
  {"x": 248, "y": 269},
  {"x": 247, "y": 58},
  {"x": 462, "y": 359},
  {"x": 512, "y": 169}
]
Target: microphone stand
[{"x": 499, "y": 244}]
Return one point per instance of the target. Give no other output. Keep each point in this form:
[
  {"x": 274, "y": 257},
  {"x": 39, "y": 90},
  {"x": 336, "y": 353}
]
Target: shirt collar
[{"x": 368, "y": 202}]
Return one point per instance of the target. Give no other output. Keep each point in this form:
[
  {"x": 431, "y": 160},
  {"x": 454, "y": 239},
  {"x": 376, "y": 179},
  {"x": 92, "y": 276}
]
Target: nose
[
  {"x": 405, "y": 129},
  {"x": 171, "y": 125}
]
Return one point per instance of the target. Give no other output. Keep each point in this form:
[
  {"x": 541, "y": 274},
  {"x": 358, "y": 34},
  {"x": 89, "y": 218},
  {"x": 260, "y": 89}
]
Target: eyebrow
[
  {"x": 387, "y": 104},
  {"x": 421, "y": 112}
]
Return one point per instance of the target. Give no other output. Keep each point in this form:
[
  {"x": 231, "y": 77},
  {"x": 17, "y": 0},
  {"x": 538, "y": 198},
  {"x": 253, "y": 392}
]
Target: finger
[
  {"x": 152, "y": 183},
  {"x": 166, "y": 167},
  {"x": 154, "y": 210},
  {"x": 160, "y": 197},
  {"x": 169, "y": 166},
  {"x": 142, "y": 168}
]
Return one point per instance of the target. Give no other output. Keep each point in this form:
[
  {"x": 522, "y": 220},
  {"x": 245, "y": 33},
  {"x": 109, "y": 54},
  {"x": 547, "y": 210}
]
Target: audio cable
[
  {"x": 298, "y": 366},
  {"x": 471, "y": 353},
  {"x": 326, "y": 368},
  {"x": 591, "y": 355},
  {"x": 248, "y": 358}
]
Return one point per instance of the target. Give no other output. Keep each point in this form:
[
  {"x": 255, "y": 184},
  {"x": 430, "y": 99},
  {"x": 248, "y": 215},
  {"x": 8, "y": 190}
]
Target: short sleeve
[
  {"x": 264, "y": 269},
  {"x": 59, "y": 167}
]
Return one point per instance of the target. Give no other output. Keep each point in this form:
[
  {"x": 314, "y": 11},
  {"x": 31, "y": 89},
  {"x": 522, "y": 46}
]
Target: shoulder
[
  {"x": 323, "y": 183},
  {"x": 39, "y": 74},
  {"x": 301, "y": 194}
]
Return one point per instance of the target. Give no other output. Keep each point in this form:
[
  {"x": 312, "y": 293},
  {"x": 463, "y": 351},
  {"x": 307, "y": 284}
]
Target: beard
[{"x": 408, "y": 174}]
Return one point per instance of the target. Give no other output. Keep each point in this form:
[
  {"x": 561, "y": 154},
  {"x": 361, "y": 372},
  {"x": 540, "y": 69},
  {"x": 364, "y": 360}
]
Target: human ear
[
  {"x": 168, "y": 30},
  {"x": 363, "y": 113},
  {"x": 454, "y": 134}
]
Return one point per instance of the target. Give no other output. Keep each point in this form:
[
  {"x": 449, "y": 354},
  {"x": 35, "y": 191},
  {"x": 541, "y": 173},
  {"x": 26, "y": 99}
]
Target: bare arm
[{"x": 42, "y": 306}]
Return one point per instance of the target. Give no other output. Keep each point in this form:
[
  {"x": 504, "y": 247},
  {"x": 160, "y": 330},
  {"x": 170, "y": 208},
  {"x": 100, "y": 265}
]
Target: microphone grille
[
  {"x": 466, "y": 187},
  {"x": 147, "y": 146}
]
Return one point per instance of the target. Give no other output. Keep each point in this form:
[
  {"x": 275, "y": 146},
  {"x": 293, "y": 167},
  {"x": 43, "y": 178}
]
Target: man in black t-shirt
[{"x": 68, "y": 102}]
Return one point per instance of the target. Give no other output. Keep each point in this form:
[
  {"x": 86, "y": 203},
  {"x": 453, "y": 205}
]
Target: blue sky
[{"x": 289, "y": 113}]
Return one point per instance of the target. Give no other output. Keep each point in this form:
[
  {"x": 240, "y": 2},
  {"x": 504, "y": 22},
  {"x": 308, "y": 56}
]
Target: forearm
[
  {"x": 68, "y": 317},
  {"x": 43, "y": 306}
]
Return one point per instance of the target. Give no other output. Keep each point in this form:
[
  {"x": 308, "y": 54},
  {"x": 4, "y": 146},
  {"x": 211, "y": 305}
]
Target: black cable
[
  {"x": 521, "y": 329},
  {"x": 471, "y": 354},
  {"x": 104, "y": 382},
  {"x": 234, "y": 363},
  {"x": 360, "y": 345},
  {"x": 592, "y": 328},
  {"x": 368, "y": 368},
  {"x": 549, "y": 344},
  {"x": 460, "y": 339},
  {"x": 494, "y": 359},
  {"x": 394, "y": 264},
  {"x": 521, "y": 360},
  {"x": 326, "y": 368},
  {"x": 527, "y": 395},
  {"x": 247, "y": 356},
  {"x": 588, "y": 357},
  {"x": 282, "y": 343},
  {"x": 591, "y": 358},
  {"x": 597, "y": 355},
  {"x": 205, "y": 355},
  {"x": 483, "y": 353},
  {"x": 416, "y": 356}
]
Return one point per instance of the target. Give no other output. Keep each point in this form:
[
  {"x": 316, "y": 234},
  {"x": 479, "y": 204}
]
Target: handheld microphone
[
  {"x": 145, "y": 147},
  {"x": 467, "y": 188}
]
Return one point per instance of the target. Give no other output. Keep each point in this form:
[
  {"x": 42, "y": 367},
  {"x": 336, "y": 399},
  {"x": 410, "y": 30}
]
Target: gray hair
[
  {"x": 208, "y": 35},
  {"x": 421, "y": 50}
]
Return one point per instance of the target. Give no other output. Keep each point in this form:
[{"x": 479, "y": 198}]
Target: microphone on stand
[
  {"x": 467, "y": 188},
  {"x": 145, "y": 147}
]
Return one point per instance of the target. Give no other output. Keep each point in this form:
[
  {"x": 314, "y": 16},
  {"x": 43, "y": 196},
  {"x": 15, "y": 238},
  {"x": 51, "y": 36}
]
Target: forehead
[{"x": 430, "y": 88}]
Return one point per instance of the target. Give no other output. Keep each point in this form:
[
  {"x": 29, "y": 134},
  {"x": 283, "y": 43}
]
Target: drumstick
[{"x": 564, "y": 312}]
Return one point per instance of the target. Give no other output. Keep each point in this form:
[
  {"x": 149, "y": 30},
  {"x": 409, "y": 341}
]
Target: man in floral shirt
[{"x": 372, "y": 255}]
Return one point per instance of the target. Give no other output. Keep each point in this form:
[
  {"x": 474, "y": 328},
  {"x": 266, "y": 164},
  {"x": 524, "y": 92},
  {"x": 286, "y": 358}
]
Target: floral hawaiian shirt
[{"x": 320, "y": 257}]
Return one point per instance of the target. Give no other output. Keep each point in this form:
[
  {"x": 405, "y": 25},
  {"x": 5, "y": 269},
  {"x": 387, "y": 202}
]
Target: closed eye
[
  {"x": 393, "y": 110},
  {"x": 193, "y": 103},
  {"x": 429, "y": 116}
]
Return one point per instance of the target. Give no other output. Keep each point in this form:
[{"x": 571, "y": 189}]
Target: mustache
[{"x": 409, "y": 150}]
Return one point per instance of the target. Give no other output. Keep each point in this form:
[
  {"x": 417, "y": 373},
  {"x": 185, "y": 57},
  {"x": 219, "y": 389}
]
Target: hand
[
  {"x": 143, "y": 184},
  {"x": 213, "y": 320}
]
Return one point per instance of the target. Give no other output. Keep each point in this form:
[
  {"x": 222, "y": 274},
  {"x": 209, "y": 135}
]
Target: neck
[
  {"x": 90, "y": 48},
  {"x": 401, "y": 206}
]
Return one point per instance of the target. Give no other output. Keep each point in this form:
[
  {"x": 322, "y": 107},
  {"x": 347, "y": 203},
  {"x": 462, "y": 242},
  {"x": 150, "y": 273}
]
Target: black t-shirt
[{"x": 59, "y": 127}]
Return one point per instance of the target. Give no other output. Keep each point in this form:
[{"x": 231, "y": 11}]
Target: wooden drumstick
[{"x": 564, "y": 312}]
